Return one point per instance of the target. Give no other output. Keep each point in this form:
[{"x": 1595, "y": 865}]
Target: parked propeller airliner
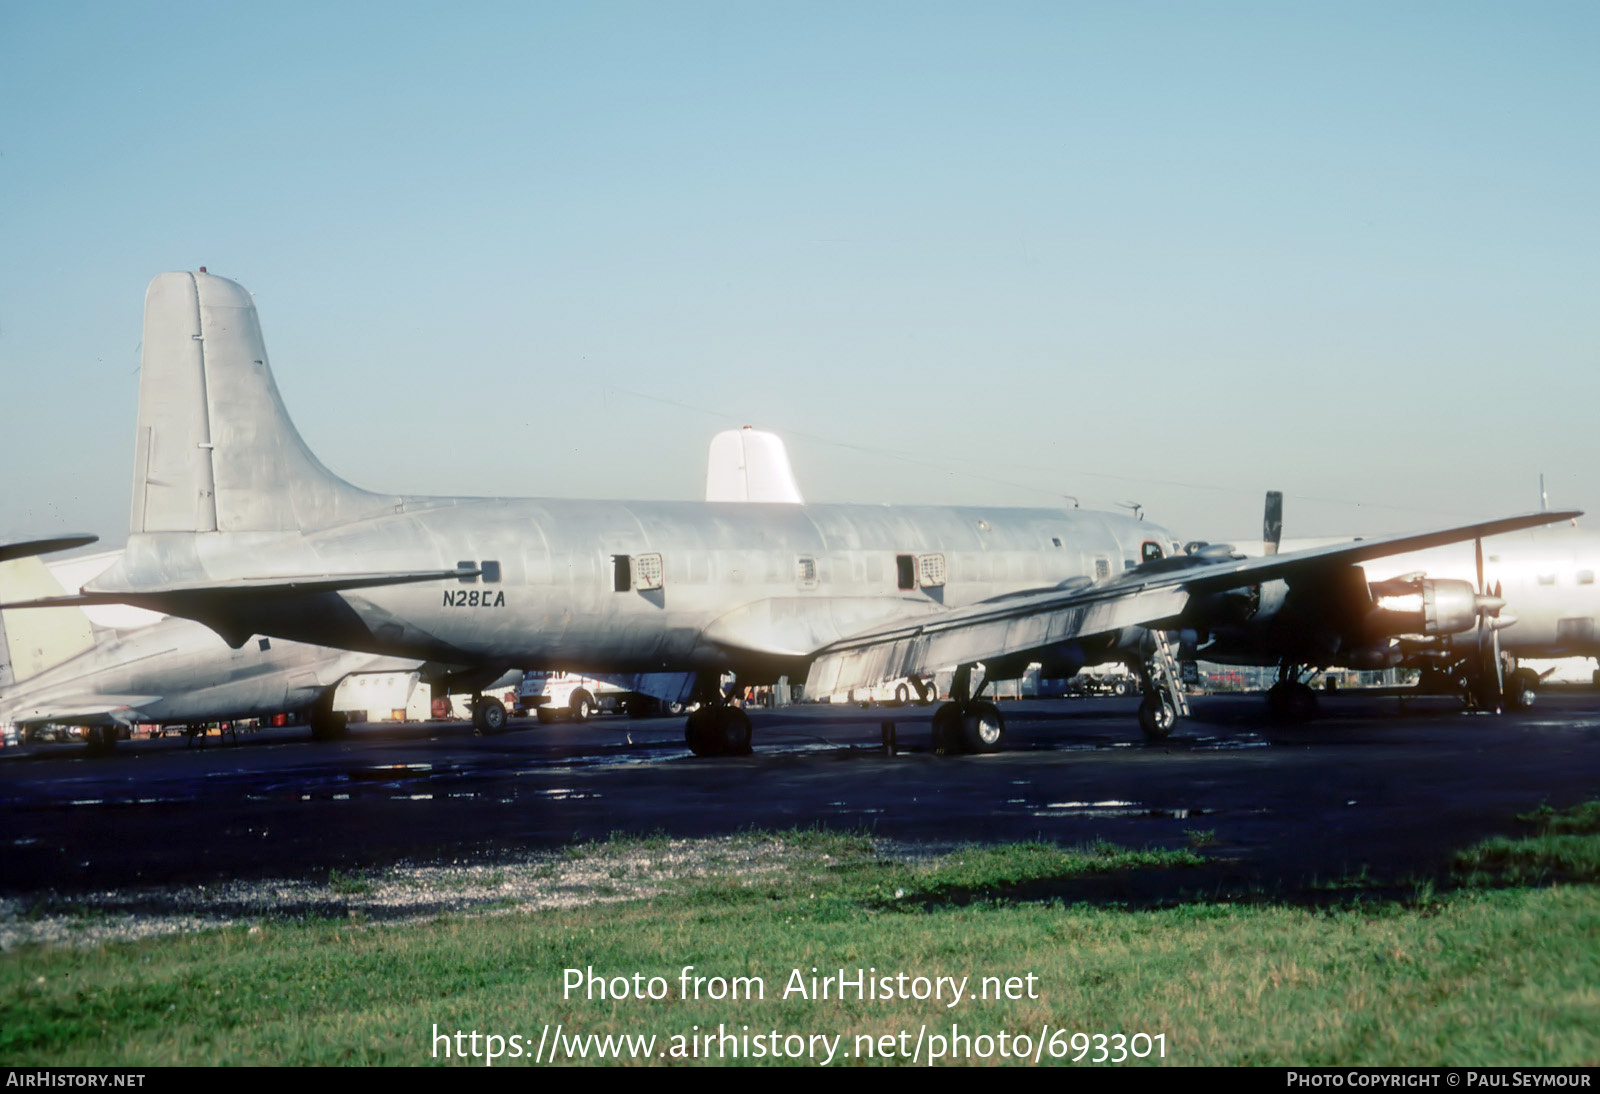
[{"x": 235, "y": 523}]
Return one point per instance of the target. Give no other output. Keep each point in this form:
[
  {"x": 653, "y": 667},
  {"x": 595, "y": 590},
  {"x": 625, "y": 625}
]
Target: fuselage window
[
  {"x": 1547, "y": 579},
  {"x": 1149, "y": 551},
  {"x": 1585, "y": 577},
  {"x": 467, "y": 564},
  {"x": 806, "y": 572},
  {"x": 266, "y": 644},
  {"x": 491, "y": 570},
  {"x": 1102, "y": 569},
  {"x": 906, "y": 571}
]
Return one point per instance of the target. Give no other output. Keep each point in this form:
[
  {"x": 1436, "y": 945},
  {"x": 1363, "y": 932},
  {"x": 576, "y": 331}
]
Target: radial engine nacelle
[{"x": 1427, "y": 607}]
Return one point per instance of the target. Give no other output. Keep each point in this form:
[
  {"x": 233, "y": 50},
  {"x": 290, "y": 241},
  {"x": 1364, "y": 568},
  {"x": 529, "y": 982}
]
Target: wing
[{"x": 1145, "y": 596}]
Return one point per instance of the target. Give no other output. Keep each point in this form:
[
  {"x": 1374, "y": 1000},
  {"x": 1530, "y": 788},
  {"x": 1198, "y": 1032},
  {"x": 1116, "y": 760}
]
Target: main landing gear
[
  {"x": 488, "y": 715},
  {"x": 1291, "y": 699},
  {"x": 328, "y": 724},
  {"x": 967, "y": 723},
  {"x": 716, "y": 727}
]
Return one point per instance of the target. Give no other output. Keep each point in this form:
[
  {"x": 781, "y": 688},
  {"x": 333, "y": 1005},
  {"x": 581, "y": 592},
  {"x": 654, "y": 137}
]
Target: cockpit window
[{"x": 1149, "y": 551}]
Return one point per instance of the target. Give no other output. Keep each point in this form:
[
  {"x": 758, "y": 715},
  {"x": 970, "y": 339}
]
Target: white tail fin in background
[
  {"x": 35, "y": 639},
  {"x": 750, "y": 465},
  {"x": 216, "y": 451}
]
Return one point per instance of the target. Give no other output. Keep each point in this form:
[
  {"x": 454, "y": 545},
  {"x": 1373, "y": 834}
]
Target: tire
[
  {"x": 982, "y": 728},
  {"x": 701, "y": 732},
  {"x": 328, "y": 724},
  {"x": 545, "y": 714},
  {"x": 489, "y": 716},
  {"x": 1291, "y": 702},
  {"x": 100, "y": 739},
  {"x": 901, "y": 694},
  {"x": 734, "y": 732},
  {"x": 1119, "y": 689},
  {"x": 947, "y": 730},
  {"x": 1157, "y": 717},
  {"x": 1522, "y": 689},
  {"x": 582, "y": 705}
]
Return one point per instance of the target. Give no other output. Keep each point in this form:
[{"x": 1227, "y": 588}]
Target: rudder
[{"x": 215, "y": 449}]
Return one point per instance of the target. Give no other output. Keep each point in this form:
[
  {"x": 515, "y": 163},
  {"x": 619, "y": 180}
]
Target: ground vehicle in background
[
  {"x": 899, "y": 692},
  {"x": 1108, "y": 679},
  {"x": 553, "y": 695}
]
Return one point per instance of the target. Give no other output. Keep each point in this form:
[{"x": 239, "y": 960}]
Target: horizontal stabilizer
[
  {"x": 32, "y": 547},
  {"x": 91, "y": 710},
  {"x": 188, "y": 593}
]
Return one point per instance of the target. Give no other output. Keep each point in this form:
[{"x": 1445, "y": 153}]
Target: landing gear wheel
[
  {"x": 489, "y": 716},
  {"x": 100, "y": 739},
  {"x": 582, "y": 706},
  {"x": 1157, "y": 717},
  {"x": 1522, "y": 688},
  {"x": 982, "y": 727},
  {"x": 545, "y": 715},
  {"x": 1291, "y": 701},
  {"x": 640, "y": 706},
  {"x": 947, "y": 730},
  {"x": 718, "y": 731},
  {"x": 328, "y": 724}
]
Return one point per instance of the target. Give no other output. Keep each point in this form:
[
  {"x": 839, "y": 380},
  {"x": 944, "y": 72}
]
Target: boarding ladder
[{"x": 1166, "y": 668}]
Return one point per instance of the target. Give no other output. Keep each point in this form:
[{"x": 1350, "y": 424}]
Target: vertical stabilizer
[
  {"x": 215, "y": 449},
  {"x": 36, "y": 639},
  {"x": 750, "y": 465}
]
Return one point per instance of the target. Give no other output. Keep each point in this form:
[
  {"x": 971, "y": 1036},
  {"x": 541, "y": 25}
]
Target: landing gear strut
[{"x": 967, "y": 723}]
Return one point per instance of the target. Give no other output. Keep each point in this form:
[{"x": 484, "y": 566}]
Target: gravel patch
[{"x": 595, "y": 874}]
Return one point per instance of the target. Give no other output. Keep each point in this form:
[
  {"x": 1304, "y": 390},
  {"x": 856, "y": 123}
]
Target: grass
[
  {"x": 1486, "y": 975},
  {"x": 1564, "y": 848}
]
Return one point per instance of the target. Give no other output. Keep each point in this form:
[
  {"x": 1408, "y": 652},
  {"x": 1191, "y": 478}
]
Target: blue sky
[{"x": 964, "y": 253}]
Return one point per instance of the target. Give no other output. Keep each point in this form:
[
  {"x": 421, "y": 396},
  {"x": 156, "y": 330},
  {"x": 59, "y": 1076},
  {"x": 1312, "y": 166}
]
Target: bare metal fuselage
[{"x": 742, "y": 583}]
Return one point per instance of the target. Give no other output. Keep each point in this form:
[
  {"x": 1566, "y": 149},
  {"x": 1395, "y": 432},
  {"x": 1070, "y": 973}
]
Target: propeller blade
[{"x": 1272, "y": 523}]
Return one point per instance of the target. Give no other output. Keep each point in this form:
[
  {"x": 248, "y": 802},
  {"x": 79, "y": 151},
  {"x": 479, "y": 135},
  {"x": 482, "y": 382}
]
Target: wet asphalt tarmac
[{"x": 1373, "y": 785}]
